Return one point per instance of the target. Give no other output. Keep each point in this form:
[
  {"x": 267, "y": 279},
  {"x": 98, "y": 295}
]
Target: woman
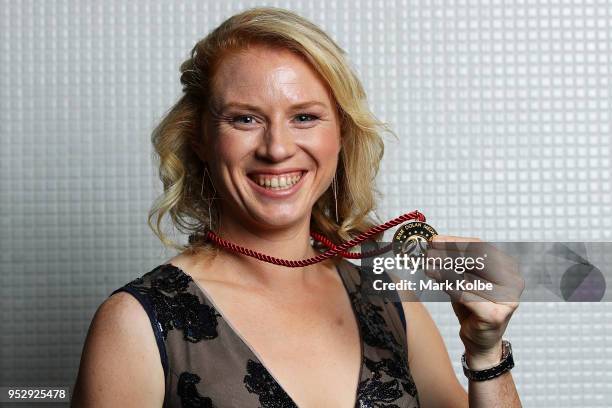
[{"x": 272, "y": 139}]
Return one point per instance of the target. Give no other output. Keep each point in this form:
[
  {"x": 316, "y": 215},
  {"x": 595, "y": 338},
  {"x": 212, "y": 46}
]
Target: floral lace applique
[
  {"x": 176, "y": 308},
  {"x": 259, "y": 381},
  {"x": 376, "y": 391},
  {"x": 189, "y": 395}
]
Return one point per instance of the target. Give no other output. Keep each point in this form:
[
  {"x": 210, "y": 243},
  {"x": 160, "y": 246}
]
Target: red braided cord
[
  {"x": 346, "y": 254},
  {"x": 334, "y": 249}
]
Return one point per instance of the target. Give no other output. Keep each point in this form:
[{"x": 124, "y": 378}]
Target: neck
[{"x": 291, "y": 243}]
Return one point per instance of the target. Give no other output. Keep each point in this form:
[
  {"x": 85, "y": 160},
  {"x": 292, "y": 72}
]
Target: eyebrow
[{"x": 301, "y": 105}]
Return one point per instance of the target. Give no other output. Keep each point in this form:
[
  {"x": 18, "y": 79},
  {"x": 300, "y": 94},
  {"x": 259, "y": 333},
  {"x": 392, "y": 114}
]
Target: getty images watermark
[
  {"x": 430, "y": 265},
  {"x": 492, "y": 271}
]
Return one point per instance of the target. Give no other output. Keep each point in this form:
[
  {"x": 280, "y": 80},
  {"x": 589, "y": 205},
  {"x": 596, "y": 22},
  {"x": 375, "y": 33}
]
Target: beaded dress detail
[{"x": 207, "y": 364}]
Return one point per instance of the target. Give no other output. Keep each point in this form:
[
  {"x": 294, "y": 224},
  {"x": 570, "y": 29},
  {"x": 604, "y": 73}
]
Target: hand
[{"x": 483, "y": 313}]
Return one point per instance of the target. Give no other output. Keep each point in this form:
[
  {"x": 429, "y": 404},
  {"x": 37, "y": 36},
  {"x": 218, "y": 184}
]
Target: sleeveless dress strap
[
  {"x": 145, "y": 300},
  {"x": 396, "y": 300},
  {"x": 400, "y": 310}
]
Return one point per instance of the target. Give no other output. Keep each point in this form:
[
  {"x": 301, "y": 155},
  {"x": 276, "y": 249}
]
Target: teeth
[{"x": 278, "y": 182}]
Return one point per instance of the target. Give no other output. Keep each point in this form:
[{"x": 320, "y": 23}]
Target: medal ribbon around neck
[{"x": 333, "y": 249}]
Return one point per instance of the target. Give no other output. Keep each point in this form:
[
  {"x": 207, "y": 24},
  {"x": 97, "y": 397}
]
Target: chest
[
  {"x": 228, "y": 348},
  {"x": 305, "y": 342}
]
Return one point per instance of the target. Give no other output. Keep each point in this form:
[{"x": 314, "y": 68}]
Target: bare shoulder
[
  {"x": 429, "y": 361},
  {"x": 190, "y": 260},
  {"x": 120, "y": 363}
]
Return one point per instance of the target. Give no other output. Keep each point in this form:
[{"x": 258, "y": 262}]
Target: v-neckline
[{"x": 255, "y": 354}]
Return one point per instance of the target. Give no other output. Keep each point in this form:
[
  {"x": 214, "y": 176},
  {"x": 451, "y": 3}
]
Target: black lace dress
[{"x": 207, "y": 364}]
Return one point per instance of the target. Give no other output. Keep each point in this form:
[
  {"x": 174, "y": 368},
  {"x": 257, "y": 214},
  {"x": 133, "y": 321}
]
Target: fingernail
[{"x": 433, "y": 274}]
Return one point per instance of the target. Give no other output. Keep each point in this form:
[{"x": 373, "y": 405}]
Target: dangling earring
[
  {"x": 207, "y": 174},
  {"x": 335, "y": 190}
]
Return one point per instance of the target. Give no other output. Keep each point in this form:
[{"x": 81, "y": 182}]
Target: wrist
[
  {"x": 479, "y": 360},
  {"x": 482, "y": 367}
]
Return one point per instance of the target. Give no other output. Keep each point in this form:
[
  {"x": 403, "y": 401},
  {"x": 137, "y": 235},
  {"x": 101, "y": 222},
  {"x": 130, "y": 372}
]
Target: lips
[
  {"x": 277, "y": 181},
  {"x": 280, "y": 184}
]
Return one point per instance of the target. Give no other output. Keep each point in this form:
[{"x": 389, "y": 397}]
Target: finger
[
  {"x": 451, "y": 242},
  {"x": 452, "y": 238},
  {"x": 470, "y": 287},
  {"x": 493, "y": 265},
  {"x": 461, "y": 311},
  {"x": 478, "y": 303}
]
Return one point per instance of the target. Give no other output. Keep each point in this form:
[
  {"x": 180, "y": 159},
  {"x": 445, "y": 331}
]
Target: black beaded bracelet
[{"x": 506, "y": 363}]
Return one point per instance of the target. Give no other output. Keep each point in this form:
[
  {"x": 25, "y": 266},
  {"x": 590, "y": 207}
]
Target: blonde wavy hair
[{"x": 188, "y": 193}]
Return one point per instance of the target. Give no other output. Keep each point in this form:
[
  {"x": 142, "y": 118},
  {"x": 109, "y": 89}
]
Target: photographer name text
[{"x": 460, "y": 284}]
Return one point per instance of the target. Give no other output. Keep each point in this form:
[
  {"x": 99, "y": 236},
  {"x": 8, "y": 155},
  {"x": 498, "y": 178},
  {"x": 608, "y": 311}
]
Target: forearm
[{"x": 497, "y": 392}]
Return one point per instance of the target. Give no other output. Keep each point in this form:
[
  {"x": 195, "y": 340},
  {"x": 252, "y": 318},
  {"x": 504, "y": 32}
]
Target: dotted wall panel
[{"x": 503, "y": 116}]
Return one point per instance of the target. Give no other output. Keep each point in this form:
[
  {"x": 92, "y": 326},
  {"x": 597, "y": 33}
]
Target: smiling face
[{"x": 273, "y": 138}]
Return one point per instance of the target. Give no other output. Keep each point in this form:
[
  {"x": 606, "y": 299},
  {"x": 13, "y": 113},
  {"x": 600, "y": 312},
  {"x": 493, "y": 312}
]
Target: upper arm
[
  {"x": 429, "y": 362},
  {"x": 120, "y": 365}
]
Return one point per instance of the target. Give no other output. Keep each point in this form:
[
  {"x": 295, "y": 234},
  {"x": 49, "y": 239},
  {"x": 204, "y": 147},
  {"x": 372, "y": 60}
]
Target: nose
[{"x": 277, "y": 143}]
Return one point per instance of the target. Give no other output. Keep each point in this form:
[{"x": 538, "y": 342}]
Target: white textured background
[{"x": 503, "y": 109}]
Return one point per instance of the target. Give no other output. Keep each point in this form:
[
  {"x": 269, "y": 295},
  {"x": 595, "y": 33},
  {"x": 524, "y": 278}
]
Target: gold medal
[{"x": 412, "y": 238}]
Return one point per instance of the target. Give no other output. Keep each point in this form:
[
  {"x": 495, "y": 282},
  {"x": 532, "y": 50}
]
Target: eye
[
  {"x": 306, "y": 117},
  {"x": 244, "y": 119}
]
